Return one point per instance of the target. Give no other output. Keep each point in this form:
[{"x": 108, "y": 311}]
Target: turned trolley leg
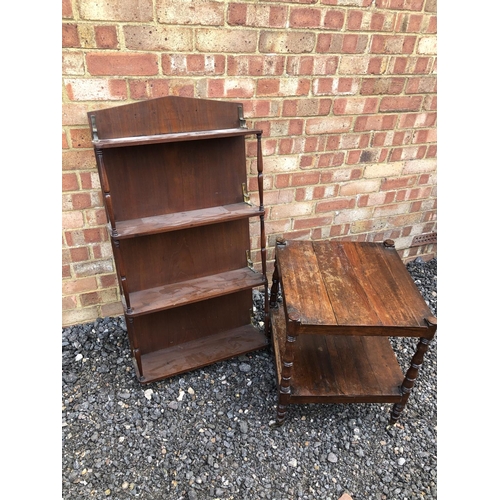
[{"x": 409, "y": 380}]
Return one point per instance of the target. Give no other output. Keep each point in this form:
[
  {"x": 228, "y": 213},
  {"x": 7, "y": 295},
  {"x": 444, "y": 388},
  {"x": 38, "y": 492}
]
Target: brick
[
  {"x": 80, "y": 201},
  {"x": 391, "y": 138},
  {"x": 306, "y": 107},
  {"x": 311, "y": 222},
  {"x": 72, "y": 220},
  {"x": 392, "y": 209},
  {"x": 328, "y": 125},
  {"x": 67, "y": 9},
  {"x": 365, "y": 156},
  {"x": 410, "y": 65},
  {"x": 111, "y": 309},
  {"x": 348, "y": 216},
  {"x": 81, "y": 138},
  {"x": 225, "y": 40},
  {"x": 354, "y": 65},
  {"x": 108, "y": 281},
  {"x": 305, "y": 179},
  {"x": 79, "y": 286},
  {"x": 417, "y": 120},
  {"x": 150, "y": 88},
  {"x": 69, "y": 303},
  {"x": 383, "y": 170},
  {"x": 205, "y": 13},
  {"x": 291, "y": 210},
  {"x": 348, "y": 3},
  {"x": 252, "y": 65},
  {"x": 375, "y": 123},
  {"x": 419, "y": 166},
  {"x": 377, "y": 65},
  {"x": 409, "y": 23},
  {"x": 268, "y": 86},
  {"x": 73, "y": 63},
  {"x": 342, "y": 43},
  {"x": 393, "y": 44},
  {"x": 87, "y": 36},
  {"x": 397, "y": 183},
  {"x": 106, "y": 37},
  {"x": 421, "y": 85},
  {"x": 390, "y": 104},
  {"x": 355, "y": 106},
  {"x": 76, "y": 160},
  {"x": 264, "y": 16},
  {"x": 95, "y": 89},
  {"x": 158, "y": 38},
  {"x": 335, "y": 86},
  {"x": 79, "y": 316},
  {"x": 409, "y": 153},
  {"x": 377, "y": 86},
  {"x": 334, "y": 205},
  {"x": 334, "y": 19},
  {"x": 138, "y": 64},
  {"x": 431, "y": 25},
  {"x": 430, "y": 6},
  {"x": 70, "y": 182},
  {"x": 131, "y": 10},
  {"x": 359, "y": 20},
  {"x": 281, "y": 164},
  {"x": 400, "y": 4},
  {"x": 353, "y": 141},
  {"x": 427, "y": 45},
  {"x": 93, "y": 268},
  {"x": 307, "y": 17},
  {"x": 291, "y": 42},
  {"x": 70, "y": 37},
  {"x": 239, "y": 88},
  {"x": 425, "y": 136},
  {"x": 193, "y": 64},
  {"x": 359, "y": 186}
]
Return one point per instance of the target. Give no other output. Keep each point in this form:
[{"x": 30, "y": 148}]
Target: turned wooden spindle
[
  {"x": 263, "y": 250},
  {"x": 412, "y": 373},
  {"x": 275, "y": 279},
  {"x": 293, "y": 322}
]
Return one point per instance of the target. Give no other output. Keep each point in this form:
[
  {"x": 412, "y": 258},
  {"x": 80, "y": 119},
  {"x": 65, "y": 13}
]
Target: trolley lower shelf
[{"x": 338, "y": 368}]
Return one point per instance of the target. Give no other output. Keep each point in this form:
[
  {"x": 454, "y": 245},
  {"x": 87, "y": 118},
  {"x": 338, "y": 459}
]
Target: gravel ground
[{"x": 206, "y": 434}]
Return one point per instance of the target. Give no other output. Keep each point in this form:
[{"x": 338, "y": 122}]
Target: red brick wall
[{"x": 344, "y": 90}]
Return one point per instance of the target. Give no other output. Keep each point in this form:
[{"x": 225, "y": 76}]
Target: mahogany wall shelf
[{"x": 174, "y": 180}]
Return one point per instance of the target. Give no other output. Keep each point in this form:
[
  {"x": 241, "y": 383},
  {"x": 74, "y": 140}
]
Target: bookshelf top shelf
[{"x": 173, "y": 137}]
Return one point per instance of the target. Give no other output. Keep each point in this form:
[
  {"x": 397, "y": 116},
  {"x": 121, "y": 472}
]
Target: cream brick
[
  {"x": 131, "y": 10},
  {"x": 149, "y": 37},
  {"x": 378, "y": 170},
  {"x": 225, "y": 40},
  {"x": 353, "y": 65},
  {"x": 93, "y": 89},
  {"x": 77, "y": 316},
  {"x": 328, "y": 125},
  {"x": 419, "y": 166},
  {"x": 287, "y": 42},
  {"x": 427, "y": 45},
  {"x": 72, "y": 220},
  {"x": 291, "y": 210},
  {"x": 393, "y": 209},
  {"x": 73, "y": 63},
  {"x": 201, "y": 12},
  {"x": 279, "y": 164},
  {"x": 365, "y": 226},
  {"x": 348, "y": 216}
]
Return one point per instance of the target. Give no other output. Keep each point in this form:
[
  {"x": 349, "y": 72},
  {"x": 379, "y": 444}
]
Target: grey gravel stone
[{"x": 216, "y": 442}]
